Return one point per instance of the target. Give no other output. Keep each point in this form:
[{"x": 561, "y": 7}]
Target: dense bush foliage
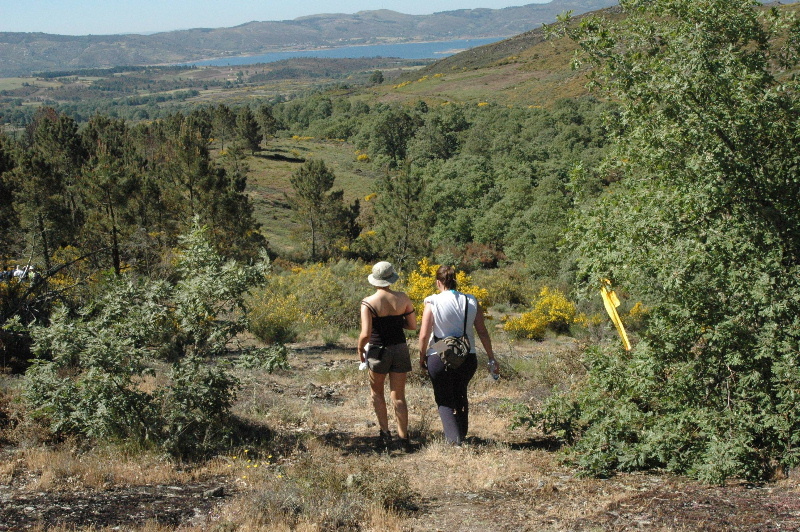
[
  {"x": 96, "y": 373},
  {"x": 703, "y": 227},
  {"x": 324, "y": 297}
]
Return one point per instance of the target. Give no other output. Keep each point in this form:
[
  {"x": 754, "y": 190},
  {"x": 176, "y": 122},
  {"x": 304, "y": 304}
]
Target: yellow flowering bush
[
  {"x": 422, "y": 282},
  {"x": 308, "y": 298},
  {"x": 551, "y": 310},
  {"x": 590, "y": 320}
]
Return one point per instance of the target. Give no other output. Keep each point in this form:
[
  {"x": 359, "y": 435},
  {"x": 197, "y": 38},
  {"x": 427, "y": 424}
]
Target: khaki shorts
[{"x": 389, "y": 359}]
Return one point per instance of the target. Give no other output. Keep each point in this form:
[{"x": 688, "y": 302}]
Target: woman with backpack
[
  {"x": 452, "y": 313},
  {"x": 382, "y": 346}
]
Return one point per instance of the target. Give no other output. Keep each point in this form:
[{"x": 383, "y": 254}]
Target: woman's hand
[{"x": 494, "y": 368}]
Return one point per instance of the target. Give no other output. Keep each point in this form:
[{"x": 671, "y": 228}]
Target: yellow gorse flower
[
  {"x": 551, "y": 309},
  {"x": 422, "y": 282}
]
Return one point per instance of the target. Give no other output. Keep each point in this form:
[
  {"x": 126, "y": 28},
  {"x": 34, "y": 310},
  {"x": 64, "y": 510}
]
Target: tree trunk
[{"x": 45, "y": 246}]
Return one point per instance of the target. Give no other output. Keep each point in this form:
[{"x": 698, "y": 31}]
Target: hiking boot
[
  {"x": 384, "y": 440},
  {"x": 405, "y": 445}
]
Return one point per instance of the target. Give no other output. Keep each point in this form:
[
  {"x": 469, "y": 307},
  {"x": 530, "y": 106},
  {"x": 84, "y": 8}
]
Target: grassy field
[{"x": 269, "y": 186}]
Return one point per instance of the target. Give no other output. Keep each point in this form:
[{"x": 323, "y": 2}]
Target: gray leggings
[{"x": 450, "y": 393}]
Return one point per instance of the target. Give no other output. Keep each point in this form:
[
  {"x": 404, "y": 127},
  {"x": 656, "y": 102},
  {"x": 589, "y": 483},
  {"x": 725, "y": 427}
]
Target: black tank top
[{"x": 386, "y": 330}]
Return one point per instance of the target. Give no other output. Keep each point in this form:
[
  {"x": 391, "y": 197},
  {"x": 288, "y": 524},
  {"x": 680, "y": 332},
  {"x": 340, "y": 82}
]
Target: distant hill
[
  {"x": 24, "y": 53},
  {"x": 526, "y": 69}
]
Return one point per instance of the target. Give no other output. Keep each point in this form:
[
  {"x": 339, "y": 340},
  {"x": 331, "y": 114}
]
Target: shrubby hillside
[{"x": 157, "y": 253}]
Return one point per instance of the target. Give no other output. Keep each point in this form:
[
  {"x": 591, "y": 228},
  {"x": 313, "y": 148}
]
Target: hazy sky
[{"x": 101, "y": 17}]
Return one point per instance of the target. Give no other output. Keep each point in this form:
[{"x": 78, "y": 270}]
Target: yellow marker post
[{"x": 611, "y": 303}]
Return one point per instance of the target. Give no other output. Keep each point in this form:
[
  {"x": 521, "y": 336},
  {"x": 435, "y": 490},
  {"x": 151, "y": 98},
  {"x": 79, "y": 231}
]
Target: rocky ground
[{"x": 115, "y": 507}]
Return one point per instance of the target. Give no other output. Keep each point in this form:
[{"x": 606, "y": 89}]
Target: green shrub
[
  {"x": 94, "y": 373},
  {"x": 195, "y": 408},
  {"x": 274, "y": 314},
  {"x": 320, "y": 296},
  {"x": 701, "y": 220},
  {"x": 268, "y": 358},
  {"x": 506, "y": 286}
]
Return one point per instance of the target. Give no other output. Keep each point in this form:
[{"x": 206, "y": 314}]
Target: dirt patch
[
  {"x": 694, "y": 507},
  {"x": 668, "y": 504},
  {"x": 169, "y": 506}
]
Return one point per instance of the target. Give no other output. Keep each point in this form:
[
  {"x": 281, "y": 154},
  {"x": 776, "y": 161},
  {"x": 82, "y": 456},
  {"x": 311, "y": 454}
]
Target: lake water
[{"x": 417, "y": 50}]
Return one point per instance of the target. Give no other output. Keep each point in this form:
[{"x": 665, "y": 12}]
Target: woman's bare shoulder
[{"x": 371, "y": 299}]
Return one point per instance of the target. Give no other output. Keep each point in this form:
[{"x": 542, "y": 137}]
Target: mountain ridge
[{"x": 25, "y": 53}]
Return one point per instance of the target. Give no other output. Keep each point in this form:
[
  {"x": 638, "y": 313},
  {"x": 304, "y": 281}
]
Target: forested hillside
[{"x": 154, "y": 257}]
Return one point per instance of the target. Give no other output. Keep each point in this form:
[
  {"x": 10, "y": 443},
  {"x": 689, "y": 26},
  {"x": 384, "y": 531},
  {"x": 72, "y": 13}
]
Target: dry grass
[
  {"x": 315, "y": 468},
  {"x": 64, "y": 467},
  {"x": 149, "y": 526}
]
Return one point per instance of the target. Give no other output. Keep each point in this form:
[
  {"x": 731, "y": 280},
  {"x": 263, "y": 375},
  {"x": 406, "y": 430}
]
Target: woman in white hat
[{"x": 384, "y": 315}]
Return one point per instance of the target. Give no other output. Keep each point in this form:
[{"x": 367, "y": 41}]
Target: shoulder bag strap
[{"x": 466, "y": 309}]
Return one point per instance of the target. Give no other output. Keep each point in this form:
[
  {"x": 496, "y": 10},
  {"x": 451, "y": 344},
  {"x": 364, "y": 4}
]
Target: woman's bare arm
[
  {"x": 483, "y": 334},
  {"x": 424, "y": 334},
  {"x": 366, "y": 331}
]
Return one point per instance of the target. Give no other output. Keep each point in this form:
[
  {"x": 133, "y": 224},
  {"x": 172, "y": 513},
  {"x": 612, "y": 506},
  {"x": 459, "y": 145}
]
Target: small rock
[{"x": 216, "y": 492}]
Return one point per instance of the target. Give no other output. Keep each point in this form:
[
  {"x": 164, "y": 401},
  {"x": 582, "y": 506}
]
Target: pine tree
[
  {"x": 46, "y": 184},
  {"x": 402, "y": 220},
  {"x": 109, "y": 186},
  {"x": 312, "y": 183},
  {"x": 247, "y": 130}
]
